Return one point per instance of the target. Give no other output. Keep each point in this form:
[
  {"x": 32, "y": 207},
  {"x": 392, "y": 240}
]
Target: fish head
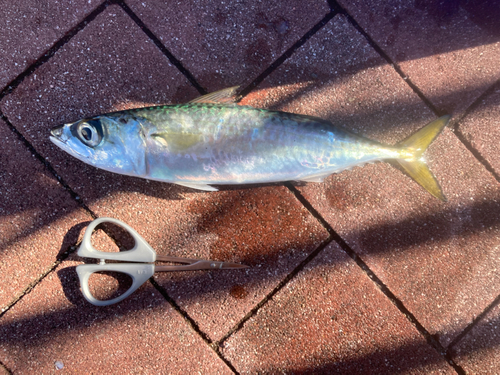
[{"x": 112, "y": 143}]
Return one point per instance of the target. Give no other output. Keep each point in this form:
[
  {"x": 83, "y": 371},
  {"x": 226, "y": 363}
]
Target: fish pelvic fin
[
  {"x": 415, "y": 166},
  {"x": 196, "y": 186}
]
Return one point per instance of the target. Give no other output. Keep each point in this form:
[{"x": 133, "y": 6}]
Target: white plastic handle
[
  {"x": 141, "y": 252},
  {"x": 137, "y": 271}
]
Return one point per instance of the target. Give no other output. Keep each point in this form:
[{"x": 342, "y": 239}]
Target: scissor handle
[
  {"x": 139, "y": 272},
  {"x": 141, "y": 252}
]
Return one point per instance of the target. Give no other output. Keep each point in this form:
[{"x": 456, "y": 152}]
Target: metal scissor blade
[
  {"x": 197, "y": 264},
  {"x": 168, "y": 258},
  {"x": 201, "y": 265},
  {"x": 216, "y": 265},
  {"x": 229, "y": 265}
]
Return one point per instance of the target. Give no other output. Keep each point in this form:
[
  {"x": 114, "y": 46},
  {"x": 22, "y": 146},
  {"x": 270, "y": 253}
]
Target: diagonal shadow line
[
  {"x": 11, "y": 86},
  {"x": 466, "y": 142},
  {"x": 438, "y": 112},
  {"x": 474, "y": 323},
  {"x": 473, "y": 14},
  {"x": 4, "y": 368},
  {"x": 69, "y": 188},
  {"x": 66, "y": 185},
  {"x": 406, "y": 358},
  {"x": 124, "y": 241},
  {"x": 75, "y": 196},
  {"x": 192, "y": 323},
  {"x": 68, "y": 246},
  {"x": 386, "y": 57},
  {"x": 379, "y": 283},
  {"x": 274, "y": 291},
  {"x": 60, "y": 43},
  {"x": 475, "y": 152},
  {"x": 477, "y": 102}
]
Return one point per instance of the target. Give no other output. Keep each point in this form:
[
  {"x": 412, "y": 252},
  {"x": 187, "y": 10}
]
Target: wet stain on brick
[
  {"x": 238, "y": 292},
  {"x": 257, "y": 52},
  {"x": 254, "y": 226}
]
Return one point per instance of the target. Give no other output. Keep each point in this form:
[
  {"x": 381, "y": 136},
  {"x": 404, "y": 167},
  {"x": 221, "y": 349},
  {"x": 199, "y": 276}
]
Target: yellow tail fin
[{"x": 416, "y": 144}]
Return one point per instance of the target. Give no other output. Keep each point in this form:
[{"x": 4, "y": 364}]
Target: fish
[{"x": 214, "y": 141}]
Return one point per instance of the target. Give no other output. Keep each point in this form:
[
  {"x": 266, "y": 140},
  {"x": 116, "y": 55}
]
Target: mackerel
[{"x": 212, "y": 141}]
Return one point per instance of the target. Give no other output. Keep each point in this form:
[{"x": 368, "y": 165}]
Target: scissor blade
[
  {"x": 215, "y": 265},
  {"x": 201, "y": 265}
]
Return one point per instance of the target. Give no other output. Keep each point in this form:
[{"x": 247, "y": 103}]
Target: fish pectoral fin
[
  {"x": 222, "y": 96},
  {"x": 177, "y": 142},
  {"x": 197, "y": 186}
]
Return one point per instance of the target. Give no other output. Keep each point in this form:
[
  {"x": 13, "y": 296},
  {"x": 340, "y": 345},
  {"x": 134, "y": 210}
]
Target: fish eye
[{"x": 90, "y": 132}]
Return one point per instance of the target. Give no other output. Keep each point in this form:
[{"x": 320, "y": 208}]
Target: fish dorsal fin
[
  {"x": 227, "y": 95},
  {"x": 177, "y": 142}
]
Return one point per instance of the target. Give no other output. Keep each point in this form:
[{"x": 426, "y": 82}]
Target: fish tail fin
[{"x": 416, "y": 145}]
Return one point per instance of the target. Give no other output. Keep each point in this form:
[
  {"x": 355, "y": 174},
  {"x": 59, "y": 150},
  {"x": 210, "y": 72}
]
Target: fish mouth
[
  {"x": 57, "y": 132},
  {"x": 60, "y": 139}
]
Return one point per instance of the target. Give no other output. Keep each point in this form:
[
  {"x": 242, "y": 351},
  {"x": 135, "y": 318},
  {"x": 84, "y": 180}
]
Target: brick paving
[{"x": 364, "y": 273}]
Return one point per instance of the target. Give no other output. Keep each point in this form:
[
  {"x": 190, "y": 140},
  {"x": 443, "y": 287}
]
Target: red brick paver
[
  {"x": 418, "y": 292},
  {"x": 225, "y": 43},
  {"x": 478, "y": 352},
  {"x": 275, "y": 233},
  {"x": 28, "y": 29},
  {"x": 481, "y": 128},
  {"x": 427, "y": 252},
  {"x": 331, "y": 319}
]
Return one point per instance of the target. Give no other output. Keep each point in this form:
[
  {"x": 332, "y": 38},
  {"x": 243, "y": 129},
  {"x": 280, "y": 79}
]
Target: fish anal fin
[
  {"x": 227, "y": 95},
  {"x": 316, "y": 178},
  {"x": 193, "y": 185},
  {"x": 177, "y": 142}
]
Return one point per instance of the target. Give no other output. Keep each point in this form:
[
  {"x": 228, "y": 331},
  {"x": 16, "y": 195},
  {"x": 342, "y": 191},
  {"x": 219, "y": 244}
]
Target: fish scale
[{"x": 209, "y": 141}]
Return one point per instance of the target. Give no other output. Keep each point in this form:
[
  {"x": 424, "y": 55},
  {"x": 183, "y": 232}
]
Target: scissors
[{"x": 141, "y": 258}]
